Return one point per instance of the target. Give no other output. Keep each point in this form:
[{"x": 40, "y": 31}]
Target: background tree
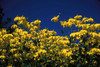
[{"x": 3, "y": 24}]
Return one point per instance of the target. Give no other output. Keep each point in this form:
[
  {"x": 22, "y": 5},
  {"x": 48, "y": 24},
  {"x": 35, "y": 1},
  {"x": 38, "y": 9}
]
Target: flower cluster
[{"x": 45, "y": 48}]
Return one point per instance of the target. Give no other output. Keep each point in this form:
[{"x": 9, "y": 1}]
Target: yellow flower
[
  {"x": 90, "y": 20},
  {"x": 5, "y": 36},
  {"x": 16, "y": 18},
  {"x": 17, "y": 55},
  {"x": 4, "y": 50},
  {"x": 36, "y": 55},
  {"x": 97, "y": 26},
  {"x": 1, "y": 40},
  {"x": 78, "y": 17},
  {"x": 72, "y": 35},
  {"x": 15, "y": 34},
  {"x": 12, "y": 41},
  {"x": 2, "y": 56},
  {"x": 70, "y": 24},
  {"x": 27, "y": 26},
  {"x": 81, "y": 41},
  {"x": 23, "y": 18},
  {"x": 14, "y": 26},
  {"x": 55, "y": 18},
  {"x": 94, "y": 61},
  {"x": 12, "y": 50},
  {"x": 77, "y": 37},
  {"x": 41, "y": 46},
  {"x": 84, "y": 19},
  {"x": 37, "y": 22},
  {"x": 33, "y": 47},
  {"x": 72, "y": 61},
  {"x": 20, "y": 22},
  {"x": 38, "y": 59},
  {"x": 86, "y": 62},
  {"x": 53, "y": 58},
  {"x": 42, "y": 51},
  {"x": 4, "y": 31},
  {"x": 36, "y": 27},
  {"x": 82, "y": 52},
  {"x": 28, "y": 36},
  {"x": 71, "y": 20},
  {"x": 10, "y": 65},
  {"x": 21, "y": 59},
  {"x": 66, "y": 52},
  {"x": 12, "y": 45}
]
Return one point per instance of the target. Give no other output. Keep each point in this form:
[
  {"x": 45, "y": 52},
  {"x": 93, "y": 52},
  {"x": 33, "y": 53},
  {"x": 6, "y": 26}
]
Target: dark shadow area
[{"x": 3, "y": 24}]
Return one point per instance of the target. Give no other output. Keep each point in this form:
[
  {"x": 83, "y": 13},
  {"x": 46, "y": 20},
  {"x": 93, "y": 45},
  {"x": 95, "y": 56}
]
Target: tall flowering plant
[{"x": 45, "y": 48}]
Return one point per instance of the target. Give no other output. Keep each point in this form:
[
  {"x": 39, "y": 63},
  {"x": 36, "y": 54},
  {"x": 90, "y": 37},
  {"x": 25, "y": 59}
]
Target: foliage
[{"x": 43, "y": 48}]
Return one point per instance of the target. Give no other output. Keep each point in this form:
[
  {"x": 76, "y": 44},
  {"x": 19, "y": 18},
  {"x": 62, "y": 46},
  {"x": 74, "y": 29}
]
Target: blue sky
[{"x": 44, "y": 10}]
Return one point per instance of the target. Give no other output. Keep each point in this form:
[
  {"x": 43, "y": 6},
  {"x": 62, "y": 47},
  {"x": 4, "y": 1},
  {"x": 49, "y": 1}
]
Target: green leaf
[
  {"x": 17, "y": 15},
  {"x": 46, "y": 28},
  {"x": 62, "y": 31},
  {"x": 78, "y": 59},
  {"x": 6, "y": 22},
  {"x": 9, "y": 19},
  {"x": 94, "y": 23},
  {"x": 74, "y": 30},
  {"x": 8, "y": 31},
  {"x": 78, "y": 29},
  {"x": 27, "y": 18},
  {"x": 15, "y": 22},
  {"x": 1, "y": 9},
  {"x": 78, "y": 65},
  {"x": 66, "y": 20}
]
